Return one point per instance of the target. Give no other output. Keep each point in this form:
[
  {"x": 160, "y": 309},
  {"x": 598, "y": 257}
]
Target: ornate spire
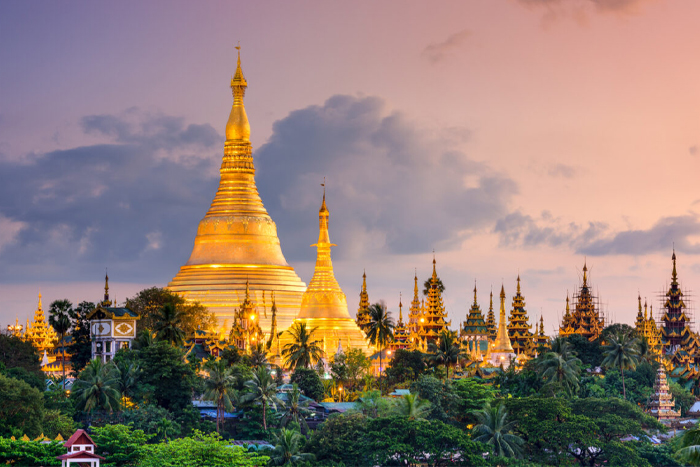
[
  {"x": 474, "y": 292},
  {"x": 518, "y": 288},
  {"x": 502, "y": 341},
  {"x": 400, "y": 309},
  {"x": 362, "y": 316},
  {"x": 585, "y": 274},
  {"x": 238, "y": 127},
  {"x": 674, "y": 274},
  {"x": 434, "y": 278}
]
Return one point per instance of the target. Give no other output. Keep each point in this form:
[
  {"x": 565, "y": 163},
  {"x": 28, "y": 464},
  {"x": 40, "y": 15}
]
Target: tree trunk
[
  {"x": 63, "y": 363},
  {"x": 624, "y": 391},
  {"x": 380, "y": 370},
  {"x": 264, "y": 415}
]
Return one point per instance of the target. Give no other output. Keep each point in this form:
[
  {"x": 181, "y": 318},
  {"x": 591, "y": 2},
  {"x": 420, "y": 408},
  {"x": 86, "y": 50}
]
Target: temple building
[
  {"x": 362, "y": 318},
  {"x": 39, "y": 333},
  {"x": 433, "y": 316},
  {"x": 678, "y": 341},
  {"x": 541, "y": 338},
  {"x": 246, "y": 332},
  {"x": 474, "y": 332},
  {"x": 501, "y": 351},
  {"x": 586, "y": 319},
  {"x": 402, "y": 336},
  {"x": 518, "y": 327},
  {"x": 662, "y": 405},
  {"x": 646, "y": 327},
  {"x": 324, "y": 305},
  {"x": 491, "y": 326},
  {"x": 415, "y": 317},
  {"x": 237, "y": 241}
]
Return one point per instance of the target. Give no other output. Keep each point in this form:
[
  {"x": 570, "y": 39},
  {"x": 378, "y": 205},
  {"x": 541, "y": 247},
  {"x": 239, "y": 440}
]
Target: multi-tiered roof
[
  {"x": 567, "y": 322},
  {"x": 434, "y": 314},
  {"x": 491, "y": 326},
  {"x": 646, "y": 327},
  {"x": 475, "y": 331},
  {"x": 661, "y": 405},
  {"x": 39, "y": 333},
  {"x": 518, "y": 328},
  {"x": 362, "y": 317},
  {"x": 402, "y": 335},
  {"x": 541, "y": 338},
  {"x": 586, "y": 319}
]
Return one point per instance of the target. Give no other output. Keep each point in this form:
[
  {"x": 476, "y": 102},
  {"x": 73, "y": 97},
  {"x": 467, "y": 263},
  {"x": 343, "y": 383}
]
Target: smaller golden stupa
[
  {"x": 501, "y": 351},
  {"x": 324, "y": 305},
  {"x": 39, "y": 332}
]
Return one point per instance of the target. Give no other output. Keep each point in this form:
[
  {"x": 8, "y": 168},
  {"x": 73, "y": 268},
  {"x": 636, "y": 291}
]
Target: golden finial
[
  {"x": 324, "y": 209},
  {"x": 645, "y": 307},
  {"x": 400, "y": 308},
  {"x": 518, "y": 289},
  {"x": 474, "y": 291},
  {"x": 674, "y": 275},
  {"x": 585, "y": 271},
  {"x": 238, "y": 127}
]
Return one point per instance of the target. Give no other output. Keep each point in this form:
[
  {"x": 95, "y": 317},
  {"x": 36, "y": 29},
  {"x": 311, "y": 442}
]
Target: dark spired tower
[{"x": 675, "y": 333}]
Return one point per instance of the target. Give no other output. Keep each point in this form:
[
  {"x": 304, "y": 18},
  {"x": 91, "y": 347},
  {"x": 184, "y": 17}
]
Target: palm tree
[
  {"x": 128, "y": 373},
  {"x": 561, "y": 346},
  {"x": 59, "y": 319},
  {"x": 294, "y": 410},
  {"x": 288, "y": 448},
  {"x": 143, "y": 339},
  {"x": 495, "y": 429},
  {"x": 380, "y": 329},
  {"x": 447, "y": 351},
  {"x": 561, "y": 367},
  {"x": 412, "y": 407},
  {"x": 264, "y": 390},
  {"x": 690, "y": 447},
  {"x": 258, "y": 355},
  {"x": 622, "y": 351},
  {"x": 97, "y": 387},
  {"x": 218, "y": 386},
  {"x": 302, "y": 351},
  {"x": 168, "y": 325}
]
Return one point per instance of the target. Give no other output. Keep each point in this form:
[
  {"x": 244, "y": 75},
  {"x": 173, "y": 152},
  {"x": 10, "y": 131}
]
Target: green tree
[
  {"x": 427, "y": 285},
  {"x": 447, "y": 351},
  {"x": 148, "y": 303},
  {"x": 303, "y": 351},
  {"x": 55, "y": 422},
  {"x": 219, "y": 388},
  {"x": 373, "y": 405},
  {"x": 288, "y": 446},
  {"x": 258, "y": 355},
  {"x": 590, "y": 353},
  {"x": 561, "y": 369},
  {"x": 405, "y": 366},
  {"x": 337, "y": 440},
  {"x": 309, "y": 383},
  {"x": 168, "y": 325},
  {"x": 21, "y": 408},
  {"x": 683, "y": 398},
  {"x": 97, "y": 387},
  {"x": 471, "y": 395},
  {"x": 128, "y": 376},
  {"x": 80, "y": 346},
  {"x": 443, "y": 400},
  {"x": 380, "y": 329},
  {"x": 411, "y": 406},
  {"x": 30, "y": 453},
  {"x": 18, "y": 353},
  {"x": 294, "y": 410},
  {"x": 164, "y": 374},
  {"x": 495, "y": 430},
  {"x": 622, "y": 352},
  {"x": 689, "y": 452},
  {"x": 349, "y": 367},
  {"x": 263, "y": 390},
  {"x": 200, "y": 450},
  {"x": 59, "y": 319},
  {"x": 120, "y": 444}
]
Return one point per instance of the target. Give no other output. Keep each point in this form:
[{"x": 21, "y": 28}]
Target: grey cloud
[
  {"x": 120, "y": 204},
  {"x": 693, "y": 150},
  {"x": 392, "y": 188},
  {"x": 562, "y": 170},
  {"x": 517, "y": 229},
  {"x": 658, "y": 238},
  {"x": 441, "y": 50},
  {"x": 579, "y": 10}
]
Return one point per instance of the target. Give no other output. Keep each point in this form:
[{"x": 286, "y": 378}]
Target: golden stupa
[
  {"x": 237, "y": 240},
  {"x": 324, "y": 305},
  {"x": 501, "y": 351}
]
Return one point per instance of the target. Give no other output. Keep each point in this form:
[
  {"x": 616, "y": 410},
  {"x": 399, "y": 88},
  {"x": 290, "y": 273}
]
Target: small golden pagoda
[
  {"x": 433, "y": 318},
  {"x": 518, "y": 326},
  {"x": 402, "y": 336},
  {"x": 39, "y": 333},
  {"x": 362, "y": 318},
  {"x": 501, "y": 350},
  {"x": 245, "y": 331},
  {"x": 492, "y": 328},
  {"x": 567, "y": 323},
  {"x": 662, "y": 405},
  {"x": 416, "y": 319},
  {"x": 541, "y": 338},
  {"x": 586, "y": 319},
  {"x": 324, "y": 305},
  {"x": 237, "y": 241},
  {"x": 646, "y": 327},
  {"x": 474, "y": 332}
]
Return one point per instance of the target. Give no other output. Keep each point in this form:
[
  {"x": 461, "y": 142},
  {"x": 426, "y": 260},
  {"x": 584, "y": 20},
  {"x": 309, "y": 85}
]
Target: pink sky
[{"x": 591, "y": 108}]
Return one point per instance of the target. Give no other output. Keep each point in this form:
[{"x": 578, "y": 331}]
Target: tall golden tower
[
  {"x": 324, "y": 305},
  {"x": 501, "y": 350},
  {"x": 237, "y": 240}
]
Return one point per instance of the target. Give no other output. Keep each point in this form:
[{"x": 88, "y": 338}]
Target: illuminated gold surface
[
  {"x": 324, "y": 305},
  {"x": 237, "y": 240}
]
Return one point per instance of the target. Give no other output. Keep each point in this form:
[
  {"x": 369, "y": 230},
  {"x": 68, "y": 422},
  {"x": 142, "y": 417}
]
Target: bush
[
  {"x": 21, "y": 408},
  {"x": 30, "y": 452},
  {"x": 309, "y": 383},
  {"x": 119, "y": 444}
]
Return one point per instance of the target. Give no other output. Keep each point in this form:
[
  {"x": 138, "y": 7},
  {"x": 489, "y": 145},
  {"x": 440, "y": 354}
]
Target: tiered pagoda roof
[
  {"x": 518, "y": 327},
  {"x": 246, "y": 332},
  {"x": 402, "y": 335},
  {"x": 475, "y": 331},
  {"x": 434, "y": 315},
  {"x": 586, "y": 316},
  {"x": 39, "y": 333},
  {"x": 662, "y": 405},
  {"x": 491, "y": 326},
  {"x": 646, "y": 327},
  {"x": 541, "y": 338},
  {"x": 567, "y": 322},
  {"x": 675, "y": 330},
  {"x": 415, "y": 318},
  {"x": 362, "y": 318}
]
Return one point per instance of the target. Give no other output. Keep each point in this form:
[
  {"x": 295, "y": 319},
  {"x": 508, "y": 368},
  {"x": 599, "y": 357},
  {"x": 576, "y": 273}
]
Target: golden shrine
[
  {"x": 541, "y": 338},
  {"x": 433, "y": 318},
  {"x": 491, "y": 326},
  {"x": 236, "y": 242},
  {"x": 39, "y": 333},
  {"x": 662, "y": 405},
  {"x": 362, "y": 317},
  {"x": 474, "y": 332},
  {"x": 585, "y": 319},
  {"x": 324, "y": 305},
  {"x": 521, "y": 338},
  {"x": 402, "y": 336},
  {"x": 500, "y": 351},
  {"x": 646, "y": 327}
]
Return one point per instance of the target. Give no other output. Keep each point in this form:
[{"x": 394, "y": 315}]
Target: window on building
[{"x": 108, "y": 347}]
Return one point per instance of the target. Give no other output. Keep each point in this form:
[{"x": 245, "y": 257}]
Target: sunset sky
[{"x": 507, "y": 136}]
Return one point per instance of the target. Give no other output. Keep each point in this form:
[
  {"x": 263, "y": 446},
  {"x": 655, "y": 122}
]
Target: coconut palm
[
  {"x": 561, "y": 368},
  {"x": 621, "y": 351},
  {"x": 411, "y": 406},
  {"x": 690, "y": 447},
  {"x": 97, "y": 387},
  {"x": 447, "y": 351},
  {"x": 59, "y": 319},
  {"x": 303, "y": 351},
  {"x": 258, "y": 355},
  {"x": 294, "y": 410},
  {"x": 562, "y": 346},
  {"x": 288, "y": 448},
  {"x": 380, "y": 329},
  {"x": 128, "y": 374},
  {"x": 263, "y": 390},
  {"x": 218, "y": 386},
  {"x": 495, "y": 429},
  {"x": 169, "y": 321}
]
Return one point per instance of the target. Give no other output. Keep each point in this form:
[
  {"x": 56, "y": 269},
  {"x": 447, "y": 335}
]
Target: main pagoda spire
[
  {"x": 237, "y": 240},
  {"x": 501, "y": 351}
]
